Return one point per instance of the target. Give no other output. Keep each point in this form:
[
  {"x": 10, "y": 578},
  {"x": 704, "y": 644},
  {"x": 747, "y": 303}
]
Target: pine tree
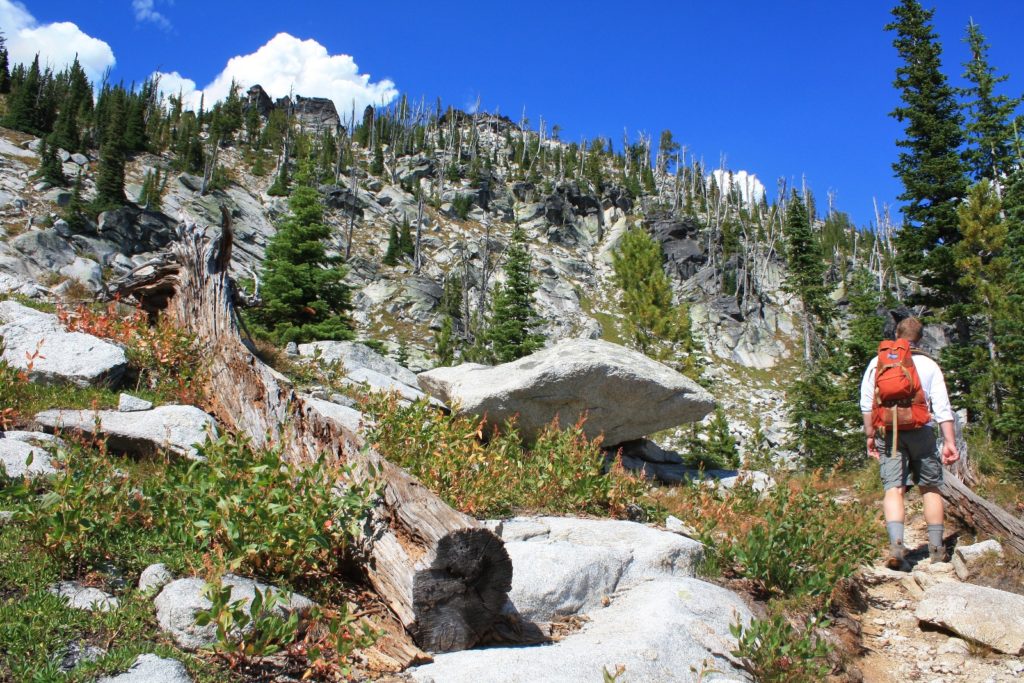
[
  {"x": 444, "y": 343},
  {"x": 990, "y": 134},
  {"x": 50, "y": 168},
  {"x": 406, "y": 247},
  {"x": 304, "y": 294},
  {"x": 110, "y": 177},
  {"x": 651, "y": 322},
  {"x": 985, "y": 269},
  {"x": 23, "y": 103},
  {"x": 806, "y": 278},
  {"x": 75, "y": 213},
  {"x": 510, "y": 334},
  {"x": 1010, "y": 327},
  {"x": 5, "y": 71},
  {"x": 281, "y": 182},
  {"x": 76, "y": 105},
  {"x": 721, "y": 445},
  {"x": 391, "y": 255},
  {"x": 931, "y": 170}
]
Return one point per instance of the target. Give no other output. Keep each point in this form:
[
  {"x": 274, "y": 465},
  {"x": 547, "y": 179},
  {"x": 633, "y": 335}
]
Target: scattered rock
[
  {"x": 567, "y": 566},
  {"x": 126, "y": 403},
  {"x": 678, "y": 526},
  {"x": 14, "y": 453},
  {"x": 985, "y": 615},
  {"x": 623, "y": 394},
  {"x": 656, "y": 630},
  {"x": 349, "y": 418},
  {"x": 180, "y": 601},
  {"x": 175, "y": 429},
  {"x": 355, "y": 356},
  {"x": 150, "y": 668},
  {"x": 83, "y": 597},
  {"x": 154, "y": 577},
  {"x": 76, "y": 653},
  {"x": 85, "y": 271},
  {"x": 967, "y": 557},
  {"x": 36, "y": 343}
]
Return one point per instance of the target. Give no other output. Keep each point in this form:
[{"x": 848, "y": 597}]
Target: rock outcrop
[
  {"x": 175, "y": 429},
  {"x": 623, "y": 394},
  {"x": 150, "y": 668},
  {"x": 37, "y": 343}
]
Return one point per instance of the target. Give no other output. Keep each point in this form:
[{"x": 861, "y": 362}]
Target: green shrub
[
  {"x": 796, "y": 540},
  {"x": 775, "y": 652},
  {"x": 562, "y": 473},
  {"x": 256, "y": 514}
]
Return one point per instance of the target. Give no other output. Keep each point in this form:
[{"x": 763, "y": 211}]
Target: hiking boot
[
  {"x": 937, "y": 553},
  {"x": 897, "y": 559}
]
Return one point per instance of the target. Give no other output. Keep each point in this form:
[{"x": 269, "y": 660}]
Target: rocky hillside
[{"x": 747, "y": 334}]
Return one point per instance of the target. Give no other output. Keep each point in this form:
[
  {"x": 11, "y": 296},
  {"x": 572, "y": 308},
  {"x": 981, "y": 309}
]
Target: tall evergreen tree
[
  {"x": 990, "y": 134},
  {"x": 76, "y": 105},
  {"x": 50, "y": 168},
  {"x": 929, "y": 165},
  {"x": 513, "y": 318},
  {"x": 23, "y": 104},
  {"x": 110, "y": 176},
  {"x": 985, "y": 268},
  {"x": 5, "y": 68},
  {"x": 304, "y": 294},
  {"x": 806, "y": 278},
  {"x": 652, "y": 323},
  {"x": 1010, "y": 327}
]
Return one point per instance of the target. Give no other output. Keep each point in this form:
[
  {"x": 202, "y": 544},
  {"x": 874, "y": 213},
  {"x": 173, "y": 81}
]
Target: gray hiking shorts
[{"x": 917, "y": 461}]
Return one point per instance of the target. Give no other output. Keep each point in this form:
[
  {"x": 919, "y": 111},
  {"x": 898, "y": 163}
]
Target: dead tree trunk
[{"x": 443, "y": 575}]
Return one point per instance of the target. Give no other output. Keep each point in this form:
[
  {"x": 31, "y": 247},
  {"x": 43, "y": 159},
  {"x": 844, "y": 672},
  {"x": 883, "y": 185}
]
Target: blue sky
[{"x": 785, "y": 89}]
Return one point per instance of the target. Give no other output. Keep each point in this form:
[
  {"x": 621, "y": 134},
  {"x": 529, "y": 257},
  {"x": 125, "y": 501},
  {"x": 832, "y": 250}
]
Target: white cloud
[
  {"x": 174, "y": 83},
  {"x": 751, "y": 189},
  {"x": 56, "y": 43},
  {"x": 145, "y": 11},
  {"x": 287, "y": 65}
]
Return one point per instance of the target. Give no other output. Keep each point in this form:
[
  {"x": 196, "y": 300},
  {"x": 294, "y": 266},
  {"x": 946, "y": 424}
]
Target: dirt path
[{"x": 899, "y": 649}]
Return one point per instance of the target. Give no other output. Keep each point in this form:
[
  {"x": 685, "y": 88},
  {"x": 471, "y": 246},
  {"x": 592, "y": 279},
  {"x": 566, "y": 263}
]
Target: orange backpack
[{"x": 900, "y": 402}]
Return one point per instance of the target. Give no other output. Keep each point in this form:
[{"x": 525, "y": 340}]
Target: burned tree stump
[{"x": 445, "y": 576}]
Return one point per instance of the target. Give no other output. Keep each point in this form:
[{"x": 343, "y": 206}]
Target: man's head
[{"x": 910, "y": 329}]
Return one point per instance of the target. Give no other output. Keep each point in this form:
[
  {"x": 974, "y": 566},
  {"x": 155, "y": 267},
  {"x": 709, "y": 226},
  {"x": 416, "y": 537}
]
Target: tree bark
[
  {"x": 982, "y": 515},
  {"x": 444, "y": 576}
]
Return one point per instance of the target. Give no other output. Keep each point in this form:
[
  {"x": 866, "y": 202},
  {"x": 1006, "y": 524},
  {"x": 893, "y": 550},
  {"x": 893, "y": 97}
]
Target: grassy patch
[{"x": 493, "y": 475}]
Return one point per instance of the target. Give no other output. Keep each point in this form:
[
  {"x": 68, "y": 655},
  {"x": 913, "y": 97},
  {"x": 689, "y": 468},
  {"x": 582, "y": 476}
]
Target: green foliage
[
  {"x": 282, "y": 183},
  {"x": 461, "y": 205},
  {"x": 304, "y": 295},
  {"x": 929, "y": 164},
  {"x": 50, "y": 168},
  {"x": 721, "y": 445},
  {"x": 561, "y": 473},
  {"x": 277, "y": 520},
  {"x": 393, "y": 250},
  {"x": 154, "y": 185},
  {"x": 806, "y": 277},
  {"x": 23, "y": 112},
  {"x": 1010, "y": 327},
  {"x": 773, "y": 651},
  {"x": 795, "y": 540},
  {"x": 984, "y": 268},
  {"x": 509, "y": 332},
  {"x": 653, "y": 324},
  {"x": 110, "y": 177},
  {"x": 248, "y": 629},
  {"x": 989, "y": 129}
]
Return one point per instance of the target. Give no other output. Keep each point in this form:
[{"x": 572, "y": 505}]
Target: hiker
[{"x": 910, "y": 422}]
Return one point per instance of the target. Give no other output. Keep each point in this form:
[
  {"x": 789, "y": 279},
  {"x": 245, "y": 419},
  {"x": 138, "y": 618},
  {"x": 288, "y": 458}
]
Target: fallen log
[
  {"x": 443, "y": 575},
  {"x": 973, "y": 510}
]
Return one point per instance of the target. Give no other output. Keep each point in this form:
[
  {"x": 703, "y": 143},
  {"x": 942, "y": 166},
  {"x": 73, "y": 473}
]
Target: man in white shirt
[{"x": 916, "y": 461}]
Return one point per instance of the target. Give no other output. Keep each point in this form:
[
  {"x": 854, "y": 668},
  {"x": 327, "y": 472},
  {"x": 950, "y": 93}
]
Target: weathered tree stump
[{"x": 445, "y": 576}]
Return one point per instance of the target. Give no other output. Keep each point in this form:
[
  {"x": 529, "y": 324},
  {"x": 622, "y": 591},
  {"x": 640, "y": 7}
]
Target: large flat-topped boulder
[
  {"x": 623, "y": 394},
  {"x": 354, "y": 356},
  {"x": 175, "y": 429},
  {"x": 36, "y": 343}
]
